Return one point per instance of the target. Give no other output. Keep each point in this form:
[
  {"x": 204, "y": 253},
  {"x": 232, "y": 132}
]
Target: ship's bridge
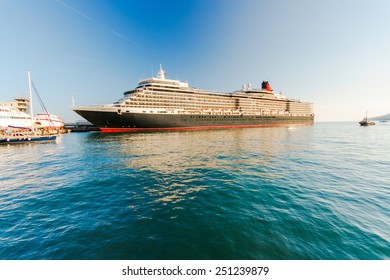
[{"x": 161, "y": 79}]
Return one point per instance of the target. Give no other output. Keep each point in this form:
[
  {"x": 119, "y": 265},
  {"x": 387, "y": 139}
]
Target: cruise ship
[
  {"x": 47, "y": 120},
  {"x": 159, "y": 103},
  {"x": 14, "y": 114}
]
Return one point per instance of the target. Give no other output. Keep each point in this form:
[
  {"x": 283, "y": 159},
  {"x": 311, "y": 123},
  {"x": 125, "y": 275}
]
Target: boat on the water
[
  {"x": 159, "y": 103},
  {"x": 10, "y": 134},
  {"x": 13, "y": 116},
  {"x": 22, "y": 138},
  {"x": 47, "y": 120},
  {"x": 366, "y": 121}
]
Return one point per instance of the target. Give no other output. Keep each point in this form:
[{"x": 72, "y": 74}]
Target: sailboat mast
[{"x": 31, "y": 101}]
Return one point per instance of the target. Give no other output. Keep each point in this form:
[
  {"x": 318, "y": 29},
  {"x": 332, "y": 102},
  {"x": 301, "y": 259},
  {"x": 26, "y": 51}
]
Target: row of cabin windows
[
  {"x": 210, "y": 103},
  {"x": 205, "y": 106},
  {"x": 209, "y": 98},
  {"x": 14, "y": 117},
  {"x": 218, "y": 106}
]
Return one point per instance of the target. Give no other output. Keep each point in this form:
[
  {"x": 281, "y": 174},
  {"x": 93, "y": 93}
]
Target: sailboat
[
  {"x": 29, "y": 135},
  {"x": 366, "y": 122}
]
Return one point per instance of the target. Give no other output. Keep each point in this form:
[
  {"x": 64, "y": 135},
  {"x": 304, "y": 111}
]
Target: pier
[{"x": 81, "y": 126}]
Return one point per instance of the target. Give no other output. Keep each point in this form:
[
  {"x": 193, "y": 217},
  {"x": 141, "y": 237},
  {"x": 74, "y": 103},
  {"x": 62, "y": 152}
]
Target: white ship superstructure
[
  {"x": 47, "y": 120},
  {"x": 159, "y": 94},
  {"x": 12, "y": 117}
]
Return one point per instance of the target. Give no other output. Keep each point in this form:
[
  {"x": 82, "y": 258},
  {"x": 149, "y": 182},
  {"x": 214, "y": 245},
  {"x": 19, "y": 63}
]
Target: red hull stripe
[{"x": 139, "y": 129}]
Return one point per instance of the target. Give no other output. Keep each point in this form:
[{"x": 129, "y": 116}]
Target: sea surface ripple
[{"x": 313, "y": 192}]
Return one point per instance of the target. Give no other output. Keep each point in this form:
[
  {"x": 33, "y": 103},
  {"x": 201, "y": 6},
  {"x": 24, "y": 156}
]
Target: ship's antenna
[
  {"x": 31, "y": 101},
  {"x": 73, "y": 103},
  {"x": 161, "y": 74}
]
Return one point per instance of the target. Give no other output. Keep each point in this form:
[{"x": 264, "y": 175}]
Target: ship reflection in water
[{"x": 183, "y": 163}]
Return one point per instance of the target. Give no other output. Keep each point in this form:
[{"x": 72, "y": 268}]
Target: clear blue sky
[{"x": 334, "y": 53}]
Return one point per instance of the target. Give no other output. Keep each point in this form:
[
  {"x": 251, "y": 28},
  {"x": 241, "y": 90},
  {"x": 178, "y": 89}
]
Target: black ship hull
[{"x": 109, "y": 121}]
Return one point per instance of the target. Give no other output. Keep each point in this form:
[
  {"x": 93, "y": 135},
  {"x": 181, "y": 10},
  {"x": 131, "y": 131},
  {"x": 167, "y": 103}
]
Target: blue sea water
[{"x": 312, "y": 192}]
